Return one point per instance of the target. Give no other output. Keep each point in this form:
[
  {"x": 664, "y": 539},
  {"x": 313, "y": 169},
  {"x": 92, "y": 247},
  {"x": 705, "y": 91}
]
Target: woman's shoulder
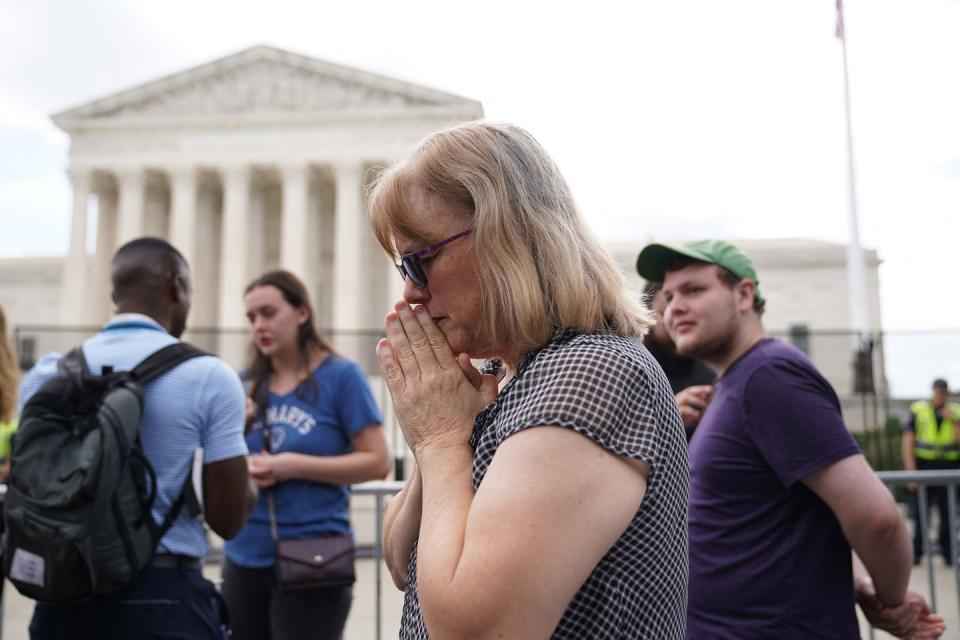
[
  {"x": 592, "y": 352},
  {"x": 337, "y": 369},
  {"x": 333, "y": 363},
  {"x": 587, "y": 362},
  {"x": 598, "y": 384}
]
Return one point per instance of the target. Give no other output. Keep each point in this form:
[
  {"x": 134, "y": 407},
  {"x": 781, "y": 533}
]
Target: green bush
[
  {"x": 893, "y": 426},
  {"x": 881, "y": 446}
]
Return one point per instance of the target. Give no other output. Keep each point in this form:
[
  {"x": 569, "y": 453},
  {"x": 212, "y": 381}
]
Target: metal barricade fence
[
  {"x": 893, "y": 479},
  {"x": 923, "y": 481},
  {"x": 379, "y": 490}
]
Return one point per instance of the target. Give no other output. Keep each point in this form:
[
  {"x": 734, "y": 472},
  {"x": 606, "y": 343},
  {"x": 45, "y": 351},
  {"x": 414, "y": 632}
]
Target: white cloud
[{"x": 32, "y": 217}]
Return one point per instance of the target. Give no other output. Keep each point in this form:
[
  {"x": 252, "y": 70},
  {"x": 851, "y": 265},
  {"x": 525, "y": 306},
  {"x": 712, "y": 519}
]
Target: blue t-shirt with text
[{"x": 318, "y": 420}]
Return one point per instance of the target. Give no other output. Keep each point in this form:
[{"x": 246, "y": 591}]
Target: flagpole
[{"x": 856, "y": 272}]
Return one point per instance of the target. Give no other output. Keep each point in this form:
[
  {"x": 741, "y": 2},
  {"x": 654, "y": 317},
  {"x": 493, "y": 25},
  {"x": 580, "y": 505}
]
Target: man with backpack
[{"x": 191, "y": 402}]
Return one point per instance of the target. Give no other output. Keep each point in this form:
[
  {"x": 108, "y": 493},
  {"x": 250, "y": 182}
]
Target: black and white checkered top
[{"x": 609, "y": 389}]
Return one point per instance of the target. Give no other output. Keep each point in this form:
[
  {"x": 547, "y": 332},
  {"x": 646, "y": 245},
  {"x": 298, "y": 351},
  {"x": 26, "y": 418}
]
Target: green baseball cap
[{"x": 654, "y": 258}]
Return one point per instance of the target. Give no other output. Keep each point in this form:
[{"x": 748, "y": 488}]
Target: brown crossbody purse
[{"x": 311, "y": 562}]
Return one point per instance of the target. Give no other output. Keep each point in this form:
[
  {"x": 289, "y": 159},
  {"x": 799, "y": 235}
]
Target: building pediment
[{"x": 262, "y": 82}]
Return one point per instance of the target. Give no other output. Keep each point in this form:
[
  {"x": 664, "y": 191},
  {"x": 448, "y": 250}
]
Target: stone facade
[
  {"x": 804, "y": 282},
  {"x": 30, "y": 290},
  {"x": 252, "y": 162}
]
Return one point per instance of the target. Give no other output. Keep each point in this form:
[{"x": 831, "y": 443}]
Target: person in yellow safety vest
[{"x": 930, "y": 441}]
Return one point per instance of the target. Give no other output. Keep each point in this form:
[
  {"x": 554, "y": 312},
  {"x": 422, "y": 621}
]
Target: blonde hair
[
  {"x": 9, "y": 373},
  {"x": 540, "y": 268}
]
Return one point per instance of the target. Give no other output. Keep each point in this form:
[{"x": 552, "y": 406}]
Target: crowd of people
[
  {"x": 612, "y": 469},
  {"x": 276, "y": 460}
]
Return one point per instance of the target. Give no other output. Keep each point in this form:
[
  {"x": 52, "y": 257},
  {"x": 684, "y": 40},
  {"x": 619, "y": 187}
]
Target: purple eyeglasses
[{"x": 410, "y": 266}]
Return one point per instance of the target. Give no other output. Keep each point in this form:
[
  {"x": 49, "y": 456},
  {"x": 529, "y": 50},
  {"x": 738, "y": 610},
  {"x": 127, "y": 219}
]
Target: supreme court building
[
  {"x": 251, "y": 162},
  {"x": 260, "y": 160}
]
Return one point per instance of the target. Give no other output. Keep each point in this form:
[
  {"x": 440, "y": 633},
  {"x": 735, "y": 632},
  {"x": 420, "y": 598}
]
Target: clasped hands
[
  {"x": 436, "y": 393},
  {"x": 267, "y": 469},
  {"x": 910, "y": 619}
]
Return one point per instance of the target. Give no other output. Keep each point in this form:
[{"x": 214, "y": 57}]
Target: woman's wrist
[
  {"x": 440, "y": 452},
  {"x": 429, "y": 447},
  {"x": 286, "y": 466}
]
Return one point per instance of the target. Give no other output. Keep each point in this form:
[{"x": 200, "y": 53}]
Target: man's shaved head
[{"x": 151, "y": 277}]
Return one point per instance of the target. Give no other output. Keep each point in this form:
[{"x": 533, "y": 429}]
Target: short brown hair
[{"x": 678, "y": 262}]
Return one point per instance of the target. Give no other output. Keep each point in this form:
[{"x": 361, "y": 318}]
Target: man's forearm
[
  {"x": 862, "y": 582},
  {"x": 887, "y": 556}
]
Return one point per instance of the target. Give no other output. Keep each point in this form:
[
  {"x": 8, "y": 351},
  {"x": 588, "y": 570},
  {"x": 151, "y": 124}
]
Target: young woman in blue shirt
[{"x": 325, "y": 433}]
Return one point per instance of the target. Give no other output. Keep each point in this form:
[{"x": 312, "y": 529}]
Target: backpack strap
[
  {"x": 73, "y": 365},
  {"x": 163, "y": 360},
  {"x": 151, "y": 368},
  {"x": 185, "y": 493}
]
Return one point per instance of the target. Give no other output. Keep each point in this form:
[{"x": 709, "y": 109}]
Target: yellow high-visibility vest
[
  {"x": 936, "y": 441},
  {"x": 6, "y": 433}
]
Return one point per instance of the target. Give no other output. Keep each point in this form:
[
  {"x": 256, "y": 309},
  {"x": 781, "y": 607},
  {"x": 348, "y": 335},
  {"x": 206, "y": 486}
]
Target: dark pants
[
  {"x": 936, "y": 497},
  {"x": 160, "y": 603},
  {"x": 259, "y": 610}
]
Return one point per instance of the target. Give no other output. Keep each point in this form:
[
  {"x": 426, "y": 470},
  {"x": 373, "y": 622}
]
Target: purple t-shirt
[{"x": 767, "y": 557}]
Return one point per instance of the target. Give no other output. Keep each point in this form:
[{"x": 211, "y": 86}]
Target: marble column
[
  {"x": 106, "y": 247},
  {"x": 234, "y": 245},
  {"x": 206, "y": 268},
  {"x": 234, "y": 255},
  {"x": 295, "y": 239},
  {"x": 349, "y": 267},
  {"x": 156, "y": 208},
  {"x": 183, "y": 212},
  {"x": 73, "y": 299},
  {"x": 131, "y": 197}
]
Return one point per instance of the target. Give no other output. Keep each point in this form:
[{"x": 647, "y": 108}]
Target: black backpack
[{"x": 77, "y": 510}]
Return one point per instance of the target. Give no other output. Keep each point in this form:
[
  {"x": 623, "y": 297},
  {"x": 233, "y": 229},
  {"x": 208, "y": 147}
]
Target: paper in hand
[{"x": 194, "y": 502}]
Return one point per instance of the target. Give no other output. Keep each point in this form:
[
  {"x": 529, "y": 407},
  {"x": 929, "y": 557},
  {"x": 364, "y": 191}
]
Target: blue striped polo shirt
[{"x": 200, "y": 403}]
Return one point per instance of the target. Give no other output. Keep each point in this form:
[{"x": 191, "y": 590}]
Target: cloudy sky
[{"x": 681, "y": 118}]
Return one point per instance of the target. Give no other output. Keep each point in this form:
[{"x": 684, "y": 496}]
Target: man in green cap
[{"x": 774, "y": 474}]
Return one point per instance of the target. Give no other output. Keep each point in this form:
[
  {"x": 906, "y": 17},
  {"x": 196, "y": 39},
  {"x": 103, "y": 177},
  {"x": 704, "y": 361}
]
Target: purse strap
[
  {"x": 272, "y": 511},
  {"x": 271, "y": 501}
]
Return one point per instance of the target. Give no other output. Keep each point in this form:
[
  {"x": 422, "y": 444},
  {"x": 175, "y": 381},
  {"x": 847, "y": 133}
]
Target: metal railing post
[
  {"x": 952, "y": 515},
  {"x": 378, "y": 557},
  {"x": 949, "y": 479},
  {"x": 378, "y": 489},
  {"x": 923, "y": 523}
]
